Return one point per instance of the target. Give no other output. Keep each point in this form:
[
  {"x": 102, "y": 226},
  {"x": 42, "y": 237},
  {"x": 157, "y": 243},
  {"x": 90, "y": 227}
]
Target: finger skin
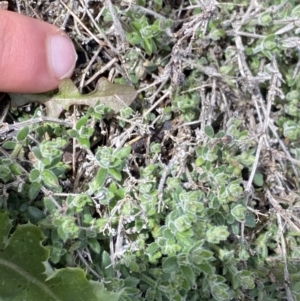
[{"x": 23, "y": 56}]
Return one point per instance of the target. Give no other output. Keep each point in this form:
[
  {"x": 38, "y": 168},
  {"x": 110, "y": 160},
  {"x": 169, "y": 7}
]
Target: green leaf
[
  {"x": 85, "y": 142},
  {"x": 216, "y": 234},
  {"x": 149, "y": 46},
  {"x": 37, "y": 153},
  {"x": 170, "y": 264},
  {"x": 67, "y": 228},
  {"x": 34, "y": 176},
  {"x": 106, "y": 265},
  {"x": 25, "y": 272},
  {"x": 220, "y": 292},
  {"x": 269, "y": 43},
  {"x": 188, "y": 274},
  {"x": 94, "y": 245},
  {"x": 79, "y": 202},
  {"x": 9, "y": 145},
  {"x": 155, "y": 148},
  {"x": 133, "y": 38},
  {"x": 22, "y": 134},
  {"x": 115, "y": 174},
  {"x": 15, "y": 169},
  {"x": 137, "y": 25},
  {"x": 56, "y": 252},
  {"x": 147, "y": 32},
  {"x": 5, "y": 173},
  {"x": 265, "y": 19},
  {"x": 291, "y": 108},
  {"x": 216, "y": 34},
  {"x": 99, "y": 180},
  {"x": 126, "y": 113},
  {"x": 123, "y": 153},
  {"x": 52, "y": 149},
  {"x": 246, "y": 279},
  {"x": 296, "y": 11},
  {"x": 291, "y": 130},
  {"x": 50, "y": 179},
  {"x": 81, "y": 122},
  {"x": 227, "y": 70},
  {"x": 34, "y": 214},
  {"x": 106, "y": 158},
  {"x": 49, "y": 205},
  {"x": 250, "y": 219},
  {"x": 207, "y": 268},
  {"x": 239, "y": 213},
  {"x": 34, "y": 190},
  {"x": 183, "y": 223},
  {"x": 246, "y": 158},
  {"x": 73, "y": 133},
  {"x": 258, "y": 179},
  {"x": 152, "y": 248},
  {"x": 198, "y": 254}
]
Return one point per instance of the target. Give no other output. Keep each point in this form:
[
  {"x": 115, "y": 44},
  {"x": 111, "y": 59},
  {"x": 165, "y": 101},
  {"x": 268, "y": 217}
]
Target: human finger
[{"x": 34, "y": 55}]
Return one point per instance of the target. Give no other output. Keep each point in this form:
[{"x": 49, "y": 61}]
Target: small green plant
[
  {"x": 149, "y": 37},
  {"x": 192, "y": 193}
]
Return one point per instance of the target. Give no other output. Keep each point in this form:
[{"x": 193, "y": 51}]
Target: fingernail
[{"x": 61, "y": 56}]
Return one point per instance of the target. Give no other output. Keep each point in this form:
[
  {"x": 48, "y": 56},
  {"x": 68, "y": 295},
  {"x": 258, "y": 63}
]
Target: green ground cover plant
[{"x": 192, "y": 192}]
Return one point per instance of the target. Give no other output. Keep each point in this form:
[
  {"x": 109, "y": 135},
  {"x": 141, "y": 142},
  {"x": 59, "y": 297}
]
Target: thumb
[{"x": 34, "y": 55}]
